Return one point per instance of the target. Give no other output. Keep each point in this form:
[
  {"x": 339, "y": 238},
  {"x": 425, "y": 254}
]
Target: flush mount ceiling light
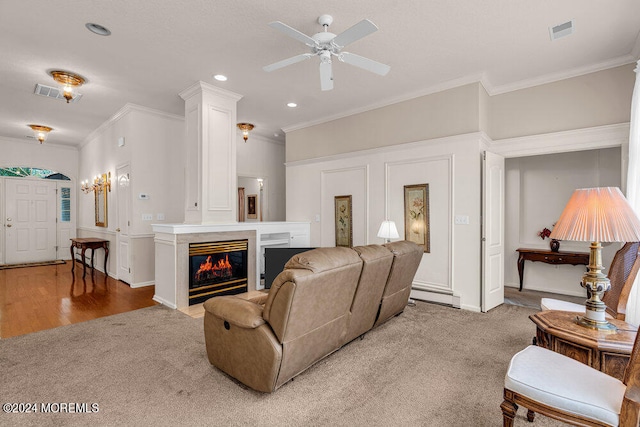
[
  {"x": 69, "y": 81},
  {"x": 220, "y": 78},
  {"x": 245, "y": 128},
  {"x": 40, "y": 132},
  {"x": 292, "y": 105},
  {"x": 97, "y": 29}
]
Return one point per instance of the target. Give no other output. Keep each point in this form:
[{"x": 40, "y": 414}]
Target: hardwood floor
[{"x": 37, "y": 298}]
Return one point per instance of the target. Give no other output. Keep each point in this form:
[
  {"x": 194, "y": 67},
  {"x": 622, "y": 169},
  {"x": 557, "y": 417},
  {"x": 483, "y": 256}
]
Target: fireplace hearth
[{"x": 217, "y": 268}]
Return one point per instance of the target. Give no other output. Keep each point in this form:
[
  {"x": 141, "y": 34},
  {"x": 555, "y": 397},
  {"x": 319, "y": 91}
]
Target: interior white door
[
  {"x": 30, "y": 222},
  {"x": 124, "y": 222},
  {"x": 492, "y": 231}
]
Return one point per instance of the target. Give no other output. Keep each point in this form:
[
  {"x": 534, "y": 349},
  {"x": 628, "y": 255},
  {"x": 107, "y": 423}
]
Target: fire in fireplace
[{"x": 217, "y": 268}]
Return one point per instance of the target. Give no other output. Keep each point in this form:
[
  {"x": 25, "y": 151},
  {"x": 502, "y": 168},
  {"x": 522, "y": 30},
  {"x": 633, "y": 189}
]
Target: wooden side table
[
  {"x": 549, "y": 257},
  {"x": 88, "y": 243},
  {"x": 607, "y": 351}
]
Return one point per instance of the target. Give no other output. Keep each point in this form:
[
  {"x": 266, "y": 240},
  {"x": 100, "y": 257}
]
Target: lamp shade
[
  {"x": 388, "y": 230},
  {"x": 597, "y": 215}
]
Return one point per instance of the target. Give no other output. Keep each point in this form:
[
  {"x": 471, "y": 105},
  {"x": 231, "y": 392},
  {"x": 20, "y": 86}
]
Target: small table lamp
[
  {"x": 388, "y": 231},
  {"x": 597, "y": 215}
]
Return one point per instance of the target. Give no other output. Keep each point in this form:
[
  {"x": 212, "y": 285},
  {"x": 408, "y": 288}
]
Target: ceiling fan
[{"x": 326, "y": 45}]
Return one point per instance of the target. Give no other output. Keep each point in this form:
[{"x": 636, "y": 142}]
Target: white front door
[
  {"x": 492, "y": 231},
  {"x": 31, "y": 220},
  {"x": 123, "y": 194}
]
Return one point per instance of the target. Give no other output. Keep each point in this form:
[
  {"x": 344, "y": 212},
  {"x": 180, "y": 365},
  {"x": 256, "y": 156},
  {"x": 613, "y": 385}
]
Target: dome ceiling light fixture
[
  {"x": 41, "y": 132},
  {"x": 69, "y": 81},
  {"x": 245, "y": 128}
]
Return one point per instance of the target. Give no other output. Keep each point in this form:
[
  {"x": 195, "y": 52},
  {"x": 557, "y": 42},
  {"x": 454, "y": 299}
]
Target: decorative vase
[{"x": 555, "y": 245}]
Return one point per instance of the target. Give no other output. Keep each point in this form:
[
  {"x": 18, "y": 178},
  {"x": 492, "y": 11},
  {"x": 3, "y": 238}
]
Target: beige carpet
[{"x": 431, "y": 366}]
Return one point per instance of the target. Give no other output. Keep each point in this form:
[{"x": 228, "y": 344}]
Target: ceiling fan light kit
[{"x": 326, "y": 45}]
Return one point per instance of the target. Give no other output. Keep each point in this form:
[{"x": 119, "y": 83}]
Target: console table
[
  {"x": 607, "y": 351},
  {"x": 88, "y": 243},
  {"x": 549, "y": 257}
]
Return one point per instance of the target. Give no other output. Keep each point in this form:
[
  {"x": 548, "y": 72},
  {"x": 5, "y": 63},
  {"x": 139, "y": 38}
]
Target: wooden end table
[
  {"x": 607, "y": 351},
  {"x": 549, "y": 257},
  {"x": 88, "y": 243}
]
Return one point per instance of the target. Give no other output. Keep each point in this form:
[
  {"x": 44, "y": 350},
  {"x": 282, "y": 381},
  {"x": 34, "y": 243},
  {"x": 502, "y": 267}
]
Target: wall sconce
[
  {"x": 261, "y": 183},
  {"x": 245, "y": 128},
  {"x": 41, "y": 132},
  {"x": 99, "y": 182},
  {"x": 68, "y": 81}
]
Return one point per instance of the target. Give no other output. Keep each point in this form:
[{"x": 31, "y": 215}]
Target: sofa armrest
[
  {"x": 239, "y": 312},
  {"x": 258, "y": 297}
]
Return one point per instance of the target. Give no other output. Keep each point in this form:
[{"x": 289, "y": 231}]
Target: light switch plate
[
  {"x": 147, "y": 217},
  {"x": 462, "y": 219}
]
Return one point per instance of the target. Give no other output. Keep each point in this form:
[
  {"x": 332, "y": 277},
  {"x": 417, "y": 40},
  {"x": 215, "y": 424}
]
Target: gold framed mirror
[{"x": 101, "y": 203}]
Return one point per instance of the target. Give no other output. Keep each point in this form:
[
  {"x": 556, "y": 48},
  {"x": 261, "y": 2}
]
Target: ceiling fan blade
[
  {"x": 285, "y": 62},
  {"x": 364, "y": 63},
  {"x": 358, "y": 31},
  {"x": 326, "y": 76},
  {"x": 293, "y": 33}
]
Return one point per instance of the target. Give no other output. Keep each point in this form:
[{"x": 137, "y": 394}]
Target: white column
[{"x": 210, "y": 154}]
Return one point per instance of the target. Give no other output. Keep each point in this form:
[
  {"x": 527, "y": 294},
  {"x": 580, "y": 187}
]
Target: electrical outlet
[
  {"x": 317, "y": 218},
  {"x": 147, "y": 217},
  {"x": 462, "y": 219}
]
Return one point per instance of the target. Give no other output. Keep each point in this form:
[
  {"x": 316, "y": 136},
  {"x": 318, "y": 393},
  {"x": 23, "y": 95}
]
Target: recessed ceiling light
[
  {"x": 292, "y": 105},
  {"x": 220, "y": 78},
  {"x": 98, "y": 29},
  {"x": 276, "y": 134}
]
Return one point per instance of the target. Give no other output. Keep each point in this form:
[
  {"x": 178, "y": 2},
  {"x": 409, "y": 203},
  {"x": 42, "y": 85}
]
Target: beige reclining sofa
[{"x": 323, "y": 299}]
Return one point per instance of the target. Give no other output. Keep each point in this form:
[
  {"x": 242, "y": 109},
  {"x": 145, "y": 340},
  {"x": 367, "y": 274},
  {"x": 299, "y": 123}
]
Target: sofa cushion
[{"x": 566, "y": 384}]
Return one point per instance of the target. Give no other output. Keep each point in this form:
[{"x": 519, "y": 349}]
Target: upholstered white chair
[
  {"x": 622, "y": 274},
  {"x": 562, "y": 388}
]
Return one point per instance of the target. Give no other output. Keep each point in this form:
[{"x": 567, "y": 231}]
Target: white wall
[
  {"x": 30, "y": 153},
  {"x": 264, "y": 158},
  {"x": 153, "y": 149},
  {"x": 375, "y": 179},
  {"x": 537, "y": 190}
]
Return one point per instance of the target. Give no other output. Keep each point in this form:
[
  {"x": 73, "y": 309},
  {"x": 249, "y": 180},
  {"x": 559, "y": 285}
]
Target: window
[
  {"x": 19, "y": 172},
  {"x": 65, "y": 204}
]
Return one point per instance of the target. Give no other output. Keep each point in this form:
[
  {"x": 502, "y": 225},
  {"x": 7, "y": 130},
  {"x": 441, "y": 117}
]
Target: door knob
[
  {"x": 8, "y": 225},
  {"x": 118, "y": 229},
  {"x": 8, "y": 219}
]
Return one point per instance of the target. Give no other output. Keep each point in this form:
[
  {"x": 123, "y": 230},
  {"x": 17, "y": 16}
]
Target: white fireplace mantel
[{"x": 172, "y": 248}]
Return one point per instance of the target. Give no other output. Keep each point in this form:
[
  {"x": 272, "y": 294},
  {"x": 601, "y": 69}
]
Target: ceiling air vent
[
  {"x": 54, "y": 92},
  {"x": 561, "y": 30}
]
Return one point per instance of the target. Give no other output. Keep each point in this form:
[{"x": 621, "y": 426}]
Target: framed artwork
[
  {"x": 252, "y": 200},
  {"x": 416, "y": 215},
  {"x": 344, "y": 230}
]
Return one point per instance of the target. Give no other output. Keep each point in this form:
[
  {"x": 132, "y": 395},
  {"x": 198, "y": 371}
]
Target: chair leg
[
  {"x": 509, "y": 409},
  {"x": 530, "y": 415}
]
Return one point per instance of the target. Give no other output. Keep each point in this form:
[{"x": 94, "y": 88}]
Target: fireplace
[{"x": 217, "y": 268}]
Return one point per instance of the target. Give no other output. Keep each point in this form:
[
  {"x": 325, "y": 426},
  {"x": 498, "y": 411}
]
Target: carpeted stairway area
[{"x": 430, "y": 366}]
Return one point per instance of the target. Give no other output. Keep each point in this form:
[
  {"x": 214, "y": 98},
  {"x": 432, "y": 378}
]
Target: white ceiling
[{"x": 159, "y": 48}]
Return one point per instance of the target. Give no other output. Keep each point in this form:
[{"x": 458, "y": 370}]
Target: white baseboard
[
  {"x": 142, "y": 284},
  {"x": 436, "y": 297},
  {"x": 156, "y": 298}
]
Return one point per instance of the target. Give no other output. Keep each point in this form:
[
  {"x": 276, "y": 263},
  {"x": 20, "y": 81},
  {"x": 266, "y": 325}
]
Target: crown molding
[
  {"x": 441, "y": 87},
  {"x": 126, "y": 109},
  {"x": 200, "y": 86},
  {"x": 554, "y": 77},
  {"x": 485, "y": 82},
  {"x": 11, "y": 139},
  {"x": 562, "y": 142}
]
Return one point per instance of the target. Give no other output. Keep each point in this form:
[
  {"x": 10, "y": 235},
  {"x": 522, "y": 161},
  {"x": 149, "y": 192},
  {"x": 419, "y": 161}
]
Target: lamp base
[{"x": 601, "y": 325}]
